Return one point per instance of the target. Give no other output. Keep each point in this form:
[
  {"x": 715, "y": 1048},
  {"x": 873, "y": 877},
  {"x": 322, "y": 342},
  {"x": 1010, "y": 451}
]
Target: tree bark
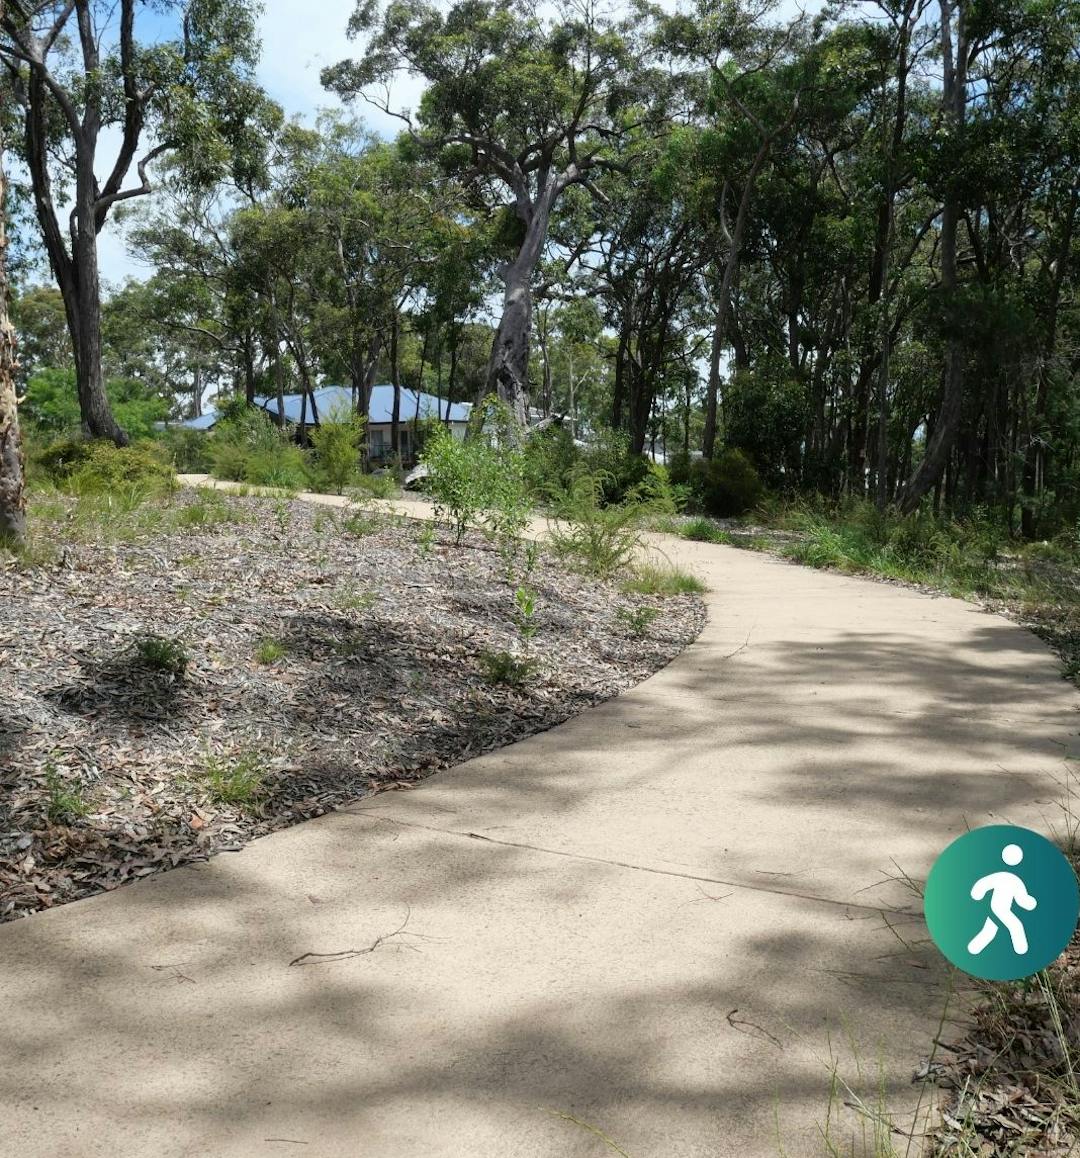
[
  {"x": 395, "y": 379},
  {"x": 12, "y": 462},
  {"x": 508, "y": 370},
  {"x": 954, "y": 99}
]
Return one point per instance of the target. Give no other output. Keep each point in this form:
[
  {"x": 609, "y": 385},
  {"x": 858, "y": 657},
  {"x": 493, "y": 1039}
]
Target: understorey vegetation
[{"x": 187, "y": 669}]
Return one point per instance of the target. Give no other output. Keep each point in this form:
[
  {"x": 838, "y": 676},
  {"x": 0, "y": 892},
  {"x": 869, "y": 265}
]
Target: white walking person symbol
[{"x": 1005, "y": 889}]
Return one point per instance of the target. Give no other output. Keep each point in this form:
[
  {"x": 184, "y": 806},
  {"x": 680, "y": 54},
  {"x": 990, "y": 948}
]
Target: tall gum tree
[
  {"x": 522, "y": 107},
  {"x": 75, "y": 68},
  {"x": 12, "y": 495}
]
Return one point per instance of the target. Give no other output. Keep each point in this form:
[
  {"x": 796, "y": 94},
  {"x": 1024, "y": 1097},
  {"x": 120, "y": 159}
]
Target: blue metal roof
[
  {"x": 328, "y": 399},
  {"x": 203, "y": 422}
]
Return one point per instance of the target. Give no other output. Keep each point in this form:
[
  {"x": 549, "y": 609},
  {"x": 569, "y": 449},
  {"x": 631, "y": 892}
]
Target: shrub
[
  {"x": 728, "y": 485},
  {"x": 599, "y": 539},
  {"x": 476, "y": 484},
  {"x": 549, "y": 458},
  {"x": 162, "y": 654},
  {"x": 59, "y": 459},
  {"x": 338, "y": 440},
  {"x": 188, "y": 449},
  {"x": 384, "y": 485},
  {"x": 501, "y": 667},
  {"x": 637, "y": 619},
  {"x": 247, "y": 447},
  {"x": 108, "y": 468}
]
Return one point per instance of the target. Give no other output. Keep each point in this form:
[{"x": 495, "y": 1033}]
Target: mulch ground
[{"x": 381, "y": 681}]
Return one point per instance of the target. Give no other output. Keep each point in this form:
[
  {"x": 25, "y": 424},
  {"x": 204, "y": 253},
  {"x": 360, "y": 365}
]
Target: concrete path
[{"x": 653, "y": 919}]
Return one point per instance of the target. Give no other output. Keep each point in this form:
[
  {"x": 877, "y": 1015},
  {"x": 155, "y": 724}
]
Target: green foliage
[
  {"x": 188, "y": 449},
  {"x": 338, "y": 441},
  {"x": 162, "y": 654},
  {"x": 650, "y": 579},
  {"x": 549, "y": 459},
  {"x": 52, "y": 403},
  {"x": 525, "y": 607},
  {"x": 765, "y": 417},
  {"x": 726, "y": 486},
  {"x": 638, "y": 620},
  {"x": 476, "y": 484},
  {"x": 608, "y": 458},
  {"x": 502, "y": 667},
  {"x": 703, "y": 530},
  {"x": 64, "y": 803},
  {"x": 596, "y": 537},
  {"x": 60, "y": 459},
  {"x": 108, "y": 469},
  {"x": 270, "y": 650},
  {"x": 209, "y": 509},
  {"x": 246, "y": 446},
  {"x": 376, "y": 486},
  {"x": 237, "y": 781}
]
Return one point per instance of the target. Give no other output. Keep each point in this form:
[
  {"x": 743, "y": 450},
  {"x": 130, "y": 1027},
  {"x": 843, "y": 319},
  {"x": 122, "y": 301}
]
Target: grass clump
[
  {"x": 702, "y": 530},
  {"x": 384, "y": 485},
  {"x": 236, "y": 781},
  {"x": 653, "y": 579},
  {"x": 64, "y": 803},
  {"x": 163, "y": 654},
  {"x": 503, "y": 667},
  {"x": 207, "y": 511},
  {"x": 270, "y": 650}
]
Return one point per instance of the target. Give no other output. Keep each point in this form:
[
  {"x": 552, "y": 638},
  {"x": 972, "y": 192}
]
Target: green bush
[
  {"x": 726, "y": 486},
  {"x": 376, "y": 486},
  {"x": 476, "y": 484},
  {"x": 96, "y": 467},
  {"x": 187, "y": 449},
  {"x": 598, "y": 538},
  {"x": 338, "y": 441},
  {"x": 163, "y": 654},
  {"x": 550, "y": 457},
  {"x": 247, "y": 447},
  {"x": 60, "y": 459}
]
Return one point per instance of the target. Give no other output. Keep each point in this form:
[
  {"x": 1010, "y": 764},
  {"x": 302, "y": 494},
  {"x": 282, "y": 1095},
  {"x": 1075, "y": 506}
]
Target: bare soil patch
[{"x": 330, "y": 655}]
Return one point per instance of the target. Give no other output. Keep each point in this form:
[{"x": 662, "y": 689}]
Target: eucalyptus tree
[
  {"x": 77, "y": 70},
  {"x": 12, "y": 492},
  {"x": 522, "y": 106}
]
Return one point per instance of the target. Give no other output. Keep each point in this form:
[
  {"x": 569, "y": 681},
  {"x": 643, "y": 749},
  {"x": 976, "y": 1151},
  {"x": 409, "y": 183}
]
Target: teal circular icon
[{"x": 1001, "y": 902}]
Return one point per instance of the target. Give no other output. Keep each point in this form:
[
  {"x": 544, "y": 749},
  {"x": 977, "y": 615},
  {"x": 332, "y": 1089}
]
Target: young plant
[
  {"x": 476, "y": 484},
  {"x": 637, "y": 619},
  {"x": 525, "y": 614},
  {"x": 501, "y": 667},
  {"x": 162, "y": 654},
  {"x": 597, "y": 539},
  {"x": 239, "y": 781},
  {"x": 64, "y": 803},
  {"x": 270, "y": 651},
  {"x": 338, "y": 442}
]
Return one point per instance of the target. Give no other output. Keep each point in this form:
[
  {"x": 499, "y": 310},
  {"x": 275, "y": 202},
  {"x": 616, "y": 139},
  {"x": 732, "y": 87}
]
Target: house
[{"x": 331, "y": 399}]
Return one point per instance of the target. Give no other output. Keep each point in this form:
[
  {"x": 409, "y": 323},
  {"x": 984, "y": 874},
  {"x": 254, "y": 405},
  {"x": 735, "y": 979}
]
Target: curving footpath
[{"x": 656, "y": 923}]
